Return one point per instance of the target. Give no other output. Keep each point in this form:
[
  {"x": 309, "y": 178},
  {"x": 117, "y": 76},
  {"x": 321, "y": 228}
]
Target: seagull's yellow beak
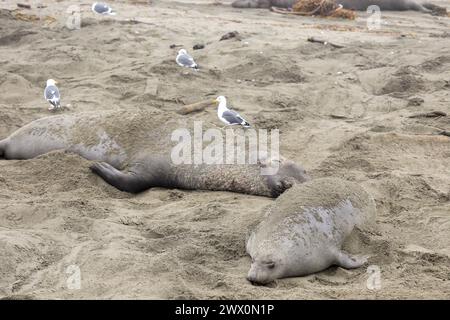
[{"x": 215, "y": 102}]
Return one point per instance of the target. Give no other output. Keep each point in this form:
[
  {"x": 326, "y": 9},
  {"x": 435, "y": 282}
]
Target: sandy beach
[{"x": 355, "y": 112}]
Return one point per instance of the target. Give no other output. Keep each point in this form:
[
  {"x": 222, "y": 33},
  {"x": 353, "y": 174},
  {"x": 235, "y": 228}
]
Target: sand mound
[{"x": 342, "y": 113}]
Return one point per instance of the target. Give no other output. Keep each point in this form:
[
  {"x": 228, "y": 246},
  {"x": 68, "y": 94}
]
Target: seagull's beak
[{"x": 215, "y": 102}]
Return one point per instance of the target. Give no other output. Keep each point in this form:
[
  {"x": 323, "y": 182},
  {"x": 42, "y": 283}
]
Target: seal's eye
[{"x": 270, "y": 264}]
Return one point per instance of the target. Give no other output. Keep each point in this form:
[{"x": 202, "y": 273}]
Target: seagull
[
  {"x": 229, "y": 117},
  {"x": 51, "y": 94},
  {"x": 185, "y": 60},
  {"x": 102, "y": 8}
]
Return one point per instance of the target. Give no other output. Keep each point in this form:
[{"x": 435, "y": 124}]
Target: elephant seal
[
  {"x": 134, "y": 151},
  {"x": 359, "y": 5},
  {"x": 304, "y": 230}
]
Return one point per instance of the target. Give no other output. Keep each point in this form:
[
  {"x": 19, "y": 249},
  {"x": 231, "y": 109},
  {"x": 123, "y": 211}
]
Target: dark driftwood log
[
  {"x": 312, "y": 39},
  {"x": 432, "y": 114},
  {"x": 198, "y": 106},
  {"x": 23, "y": 5}
]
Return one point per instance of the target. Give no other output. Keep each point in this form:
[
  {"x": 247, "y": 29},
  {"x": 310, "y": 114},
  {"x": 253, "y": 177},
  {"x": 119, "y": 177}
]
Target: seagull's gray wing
[
  {"x": 232, "y": 117},
  {"x": 101, "y": 8},
  {"x": 186, "y": 60},
  {"x": 51, "y": 94}
]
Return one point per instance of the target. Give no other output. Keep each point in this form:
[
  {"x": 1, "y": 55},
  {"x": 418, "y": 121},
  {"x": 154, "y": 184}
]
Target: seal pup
[
  {"x": 359, "y": 5},
  {"x": 304, "y": 230},
  {"x": 135, "y": 152}
]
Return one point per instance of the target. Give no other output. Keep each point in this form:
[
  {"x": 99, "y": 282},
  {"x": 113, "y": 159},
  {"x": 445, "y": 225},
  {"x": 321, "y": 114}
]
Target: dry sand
[{"x": 342, "y": 113}]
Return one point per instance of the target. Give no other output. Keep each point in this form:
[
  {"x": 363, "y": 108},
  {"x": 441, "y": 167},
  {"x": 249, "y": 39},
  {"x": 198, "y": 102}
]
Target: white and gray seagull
[
  {"x": 102, "y": 8},
  {"x": 228, "y": 116},
  {"x": 51, "y": 94},
  {"x": 185, "y": 60}
]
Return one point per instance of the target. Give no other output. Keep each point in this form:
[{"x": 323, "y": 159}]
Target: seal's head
[
  {"x": 281, "y": 174},
  {"x": 51, "y": 82},
  {"x": 265, "y": 269}
]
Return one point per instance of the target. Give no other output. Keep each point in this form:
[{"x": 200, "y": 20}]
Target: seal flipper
[
  {"x": 348, "y": 261},
  {"x": 128, "y": 182},
  {"x": 3, "y": 149}
]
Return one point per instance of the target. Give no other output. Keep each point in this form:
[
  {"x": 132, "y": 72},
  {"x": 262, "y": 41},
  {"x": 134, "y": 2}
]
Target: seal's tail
[{"x": 435, "y": 9}]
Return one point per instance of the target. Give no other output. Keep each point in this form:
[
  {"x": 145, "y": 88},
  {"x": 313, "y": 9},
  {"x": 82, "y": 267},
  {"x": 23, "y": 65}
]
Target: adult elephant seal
[
  {"x": 135, "y": 153},
  {"x": 305, "y": 229},
  {"x": 360, "y": 5}
]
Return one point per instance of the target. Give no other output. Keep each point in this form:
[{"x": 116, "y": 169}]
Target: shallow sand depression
[{"x": 342, "y": 112}]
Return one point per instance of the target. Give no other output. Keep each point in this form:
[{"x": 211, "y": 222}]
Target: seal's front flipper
[
  {"x": 348, "y": 261},
  {"x": 128, "y": 182},
  {"x": 3, "y": 149}
]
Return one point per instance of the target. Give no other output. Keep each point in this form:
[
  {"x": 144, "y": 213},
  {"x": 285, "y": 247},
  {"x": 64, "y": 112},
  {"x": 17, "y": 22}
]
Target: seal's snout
[{"x": 259, "y": 274}]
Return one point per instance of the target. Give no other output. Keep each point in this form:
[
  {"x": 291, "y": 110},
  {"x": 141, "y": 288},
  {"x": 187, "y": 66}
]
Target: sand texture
[{"x": 342, "y": 112}]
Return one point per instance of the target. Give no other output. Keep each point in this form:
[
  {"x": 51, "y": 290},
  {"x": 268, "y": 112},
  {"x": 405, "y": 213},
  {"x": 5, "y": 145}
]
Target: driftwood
[
  {"x": 312, "y": 39},
  {"x": 198, "y": 106},
  {"x": 433, "y": 114},
  {"x": 23, "y": 5}
]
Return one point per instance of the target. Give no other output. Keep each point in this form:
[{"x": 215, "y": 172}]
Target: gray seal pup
[
  {"x": 359, "y": 5},
  {"x": 304, "y": 230},
  {"x": 134, "y": 153}
]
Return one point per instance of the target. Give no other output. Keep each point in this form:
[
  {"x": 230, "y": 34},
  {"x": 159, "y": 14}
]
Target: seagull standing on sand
[
  {"x": 185, "y": 60},
  {"x": 102, "y": 8},
  {"x": 51, "y": 94},
  {"x": 229, "y": 117}
]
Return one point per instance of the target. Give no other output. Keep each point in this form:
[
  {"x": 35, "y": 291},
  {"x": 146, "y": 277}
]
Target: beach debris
[
  {"x": 26, "y": 17},
  {"x": 229, "y": 35},
  {"x": 102, "y": 8},
  {"x": 432, "y": 114},
  {"x": 315, "y": 40},
  {"x": 198, "y": 46},
  {"x": 23, "y": 5},
  {"x": 185, "y": 60},
  {"x": 33, "y": 18},
  {"x": 51, "y": 94},
  {"x": 321, "y": 8},
  {"x": 415, "y": 102},
  {"x": 173, "y": 46},
  {"x": 228, "y": 116},
  {"x": 198, "y": 106},
  {"x": 445, "y": 133}
]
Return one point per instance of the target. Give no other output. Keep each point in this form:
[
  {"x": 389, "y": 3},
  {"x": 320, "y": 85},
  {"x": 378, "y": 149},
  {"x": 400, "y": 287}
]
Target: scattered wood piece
[
  {"x": 315, "y": 40},
  {"x": 445, "y": 133},
  {"x": 432, "y": 114},
  {"x": 173, "y": 46},
  {"x": 280, "y": 110},
  {"x": 230, "y": 35},
  {"x": 23, "y": 5},
  {"x": 198, "y": 46},
  {"x": 337, "y": 116},
  {"x": 198, "y": 106}
]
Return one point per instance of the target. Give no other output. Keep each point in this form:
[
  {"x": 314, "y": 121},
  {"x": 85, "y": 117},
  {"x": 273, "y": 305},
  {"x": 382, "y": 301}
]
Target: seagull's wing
[
  {"x": 186, "y": 60},
  {"x": 51, "y": 94},
  {"x": 102, "y": 8},
  {"x": 232, "y": 117}
]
